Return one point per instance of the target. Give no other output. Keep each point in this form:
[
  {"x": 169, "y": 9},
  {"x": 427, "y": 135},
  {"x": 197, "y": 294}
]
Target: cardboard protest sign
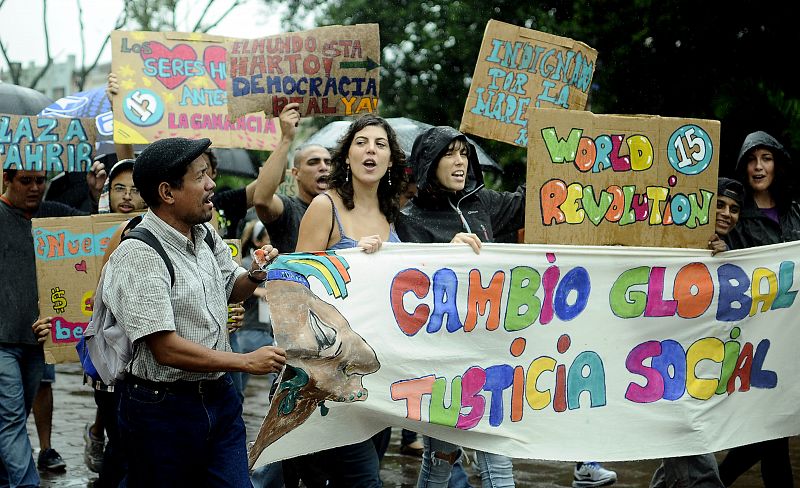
[
  {"x": 235, "y": 245},
  {"x": 173, "y": 84},
  {"x": 520, "y": 68},
  {"x": 517, "y": 352},
  {"x": 32, "y": 143},
  {"x": 288, "y": 186},
  {"x": 69, "y": 256},
  {"x": 620, "y": 180},
  {"x": 330, "y": 71}
]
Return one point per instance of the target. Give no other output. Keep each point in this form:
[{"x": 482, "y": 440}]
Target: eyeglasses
[
  {"x": 122, "y": 190},
  {"x": 27, "y": 180}
]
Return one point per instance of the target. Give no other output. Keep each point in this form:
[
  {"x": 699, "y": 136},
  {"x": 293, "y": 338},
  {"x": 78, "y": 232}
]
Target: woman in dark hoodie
[
  {"x": 452, "y": 205},
  {"x": 770, "y": 216}
]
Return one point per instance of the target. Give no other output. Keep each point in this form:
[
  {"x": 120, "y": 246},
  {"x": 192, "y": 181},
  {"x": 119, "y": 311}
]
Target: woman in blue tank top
[
  {"x": 364, "y": 187},
  {"x": 358, "y": 210}
]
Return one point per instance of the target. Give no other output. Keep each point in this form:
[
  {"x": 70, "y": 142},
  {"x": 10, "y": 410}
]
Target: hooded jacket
[
  {"x": 754, "y": 227},
  {"x": 436, "y": 215}
]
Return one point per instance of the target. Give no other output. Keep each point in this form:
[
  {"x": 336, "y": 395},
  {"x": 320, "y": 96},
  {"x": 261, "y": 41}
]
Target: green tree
[{"x": 678, "y": 58}]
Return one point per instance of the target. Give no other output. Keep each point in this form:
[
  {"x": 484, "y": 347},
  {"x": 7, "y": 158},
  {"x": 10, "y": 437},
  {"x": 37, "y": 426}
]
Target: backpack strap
[
  {"x": 132, "y": 223},
  {"x": 144, "y": 235},
  {"x": 209, "y": 238}
]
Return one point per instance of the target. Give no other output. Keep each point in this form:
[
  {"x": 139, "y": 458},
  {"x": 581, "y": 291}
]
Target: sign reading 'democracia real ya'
[
  {"x": 333, "y": 70},
  {"x": 33, "y": 143}
]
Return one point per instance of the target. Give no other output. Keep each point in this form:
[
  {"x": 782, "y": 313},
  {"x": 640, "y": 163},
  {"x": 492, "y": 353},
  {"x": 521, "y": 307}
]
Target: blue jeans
[
  {"x": 495, "y": 469},
  {"x": 21, "y": 369},
  {"x": 182, "y": 439},
  {"x": 268, "y": 476},
  {"x": 244, "y": 341}
]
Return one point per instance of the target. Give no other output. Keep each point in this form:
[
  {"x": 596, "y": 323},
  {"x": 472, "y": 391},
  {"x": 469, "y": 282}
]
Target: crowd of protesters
[{"x": 176, "y": 417}]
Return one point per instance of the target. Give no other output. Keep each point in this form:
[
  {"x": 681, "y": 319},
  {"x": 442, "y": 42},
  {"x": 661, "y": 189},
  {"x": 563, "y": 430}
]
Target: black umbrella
[
  {"x": 235, "y": 162},
  {"x": 406, "y": 129},
  {"x": 19, "y": 100}
]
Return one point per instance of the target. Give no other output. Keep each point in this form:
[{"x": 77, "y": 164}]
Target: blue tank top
[{"x": 346, "y": 242}]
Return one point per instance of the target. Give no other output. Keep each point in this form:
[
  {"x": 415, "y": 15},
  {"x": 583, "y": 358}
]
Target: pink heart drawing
[
  {"x": 179, "y": 51},
  {"x": 216, "y": 55},
  {"x": 81, "y": 266}
]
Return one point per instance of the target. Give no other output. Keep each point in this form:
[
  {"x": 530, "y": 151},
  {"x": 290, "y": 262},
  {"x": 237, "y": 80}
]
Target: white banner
[{"x": 536, "y": 351}]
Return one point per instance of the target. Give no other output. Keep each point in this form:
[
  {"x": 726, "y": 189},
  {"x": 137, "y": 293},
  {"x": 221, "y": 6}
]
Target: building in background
[{"x": 60, "y": 79}]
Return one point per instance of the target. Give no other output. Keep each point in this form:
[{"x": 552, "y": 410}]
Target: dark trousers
[
  {"x": 113, "y": 464},
  {"x": 351, "y": 466},
  {"x": 776, "y": 467},
  {"x": 182, "y": 438},
  {"x": 381, "y": 442}
]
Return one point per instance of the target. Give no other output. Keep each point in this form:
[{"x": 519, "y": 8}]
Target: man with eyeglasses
[
  {"x": 119, "y": 194},
  {"x": 21, "y": 356}
]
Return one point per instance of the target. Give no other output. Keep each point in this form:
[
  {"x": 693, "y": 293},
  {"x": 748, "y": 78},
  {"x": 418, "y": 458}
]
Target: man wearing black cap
[
  {"x": 701, "y": 470},
  {"x": 730, "y": 197},
  {"x": 180, "y": 419}
]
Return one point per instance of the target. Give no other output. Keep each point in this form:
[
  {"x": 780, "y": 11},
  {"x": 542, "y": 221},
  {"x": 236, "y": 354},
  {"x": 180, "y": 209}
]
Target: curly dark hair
[{"x": 388, "y": 195}]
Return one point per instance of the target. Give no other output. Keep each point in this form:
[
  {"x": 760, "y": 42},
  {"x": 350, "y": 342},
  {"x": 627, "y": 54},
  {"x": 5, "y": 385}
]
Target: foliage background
[{"x": 728, "y": 61}]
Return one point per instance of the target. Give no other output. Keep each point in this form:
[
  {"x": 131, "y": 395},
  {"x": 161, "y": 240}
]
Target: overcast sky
[{"x": 23, "y": 36}]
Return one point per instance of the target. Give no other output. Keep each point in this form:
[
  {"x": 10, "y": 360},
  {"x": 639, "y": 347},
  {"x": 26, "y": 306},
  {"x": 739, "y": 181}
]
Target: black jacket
[
  {"x": 436, "y": 215},
  {"x": 754, "y": 228}
]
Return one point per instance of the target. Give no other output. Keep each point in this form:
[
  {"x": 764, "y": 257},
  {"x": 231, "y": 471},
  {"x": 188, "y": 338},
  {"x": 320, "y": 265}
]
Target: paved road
[{"x": 74, "y": 407}]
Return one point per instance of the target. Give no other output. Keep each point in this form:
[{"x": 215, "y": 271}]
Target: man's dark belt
[{"x": 178, "y": 386}]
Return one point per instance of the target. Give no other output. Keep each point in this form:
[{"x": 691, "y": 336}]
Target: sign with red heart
[
  {"x": 166, "y": 62},
  {"x": 174, "y": 84}
]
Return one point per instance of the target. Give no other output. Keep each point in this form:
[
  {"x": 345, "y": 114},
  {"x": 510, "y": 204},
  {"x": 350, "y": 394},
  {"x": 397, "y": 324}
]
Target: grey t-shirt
[
  {"x": 19, "y": 295},
  {"x": 283, "y": 230}
]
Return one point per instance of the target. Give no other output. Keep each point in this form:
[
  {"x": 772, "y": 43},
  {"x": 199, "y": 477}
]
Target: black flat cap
[{"x": 165, "y": 156}]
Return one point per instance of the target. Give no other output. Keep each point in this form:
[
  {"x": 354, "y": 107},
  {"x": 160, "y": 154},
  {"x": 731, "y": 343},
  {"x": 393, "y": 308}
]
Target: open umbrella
[
  {"x": 234, "y": 161},
  {"x": 85, "y": 104},
  {"x": 19, "y": 100},
  {"x": 94, "y": 103},
  {"x": 406, "y": 129}
]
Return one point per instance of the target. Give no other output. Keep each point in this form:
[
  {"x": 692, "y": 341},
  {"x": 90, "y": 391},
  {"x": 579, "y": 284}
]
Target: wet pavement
[{"x": 74, "y": 407}]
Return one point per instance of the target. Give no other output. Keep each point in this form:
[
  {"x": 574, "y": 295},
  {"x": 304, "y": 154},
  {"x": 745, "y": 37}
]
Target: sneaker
[
  {"x": 588, "y": 475},
  {"x": 92, "y": 450},
  {"x": 413, "y": 449},
  {"x": 50, "y": 460}
]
